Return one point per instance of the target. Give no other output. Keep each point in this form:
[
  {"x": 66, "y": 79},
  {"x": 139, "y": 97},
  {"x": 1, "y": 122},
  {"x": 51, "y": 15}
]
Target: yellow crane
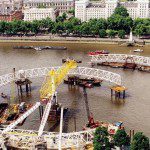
[
  {"x": 47, "y": 91},
  {"x": 54, "y": 78}
]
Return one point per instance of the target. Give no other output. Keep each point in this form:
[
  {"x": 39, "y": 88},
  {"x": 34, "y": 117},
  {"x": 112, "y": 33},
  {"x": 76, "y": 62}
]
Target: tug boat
[
  {"x": 98, "y": 52},
  {"x": 138, "y": 50},
  {"x": 10, "y": 113}
]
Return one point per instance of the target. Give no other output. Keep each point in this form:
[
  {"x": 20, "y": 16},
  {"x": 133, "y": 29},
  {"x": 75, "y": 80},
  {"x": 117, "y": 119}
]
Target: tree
[
  {"x": 111, "y": 33},
  {"x": 121, "y": 34},
  {"x": 140, "y": 30},
  {"x": 102, "y": 33},
  {"x": 59, "y": 19},
  {"x": 121, "y": 138},
  {"x": 140, "y": 142},
  {"x": 117, "y": 22},
  {"x": 85, "y": 29},
  {"x": 122, "y": 11},
  {"x": 101, "y": 140},
  {"x": 101, "y": 24},
  {"x": 2, "y": 27},
  {"x": 64, "y": 16},
  {"x": 35, "y": 27},
  {"x": 72, "y": 11}
]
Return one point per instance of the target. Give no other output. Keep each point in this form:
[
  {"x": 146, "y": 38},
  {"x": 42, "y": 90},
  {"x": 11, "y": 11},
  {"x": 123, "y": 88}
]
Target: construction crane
[
  {"x": 54, "y": 78},
  {"x": 47, "y": 91}
]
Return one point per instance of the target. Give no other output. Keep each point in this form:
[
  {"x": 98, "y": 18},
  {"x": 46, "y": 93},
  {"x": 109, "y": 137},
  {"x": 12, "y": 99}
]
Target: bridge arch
[
  {"x": 83, "y": 71},
  {"x": 120, "y": 58}
]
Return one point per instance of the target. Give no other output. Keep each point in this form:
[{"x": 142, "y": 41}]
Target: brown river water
[{"x": 134, "y": 111}]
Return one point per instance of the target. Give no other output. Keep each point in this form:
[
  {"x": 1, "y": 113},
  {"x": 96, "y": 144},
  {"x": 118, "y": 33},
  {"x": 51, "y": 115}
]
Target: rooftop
[
  {"x": 129, "y": 4},
  {"x": 96, "y": 5}
]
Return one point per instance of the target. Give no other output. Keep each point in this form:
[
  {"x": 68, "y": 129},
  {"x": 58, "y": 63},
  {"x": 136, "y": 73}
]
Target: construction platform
[{"x": 119, "y": 90}]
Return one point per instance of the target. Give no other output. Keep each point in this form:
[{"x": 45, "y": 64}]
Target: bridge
[
  {"x": 120, "y": 58},
  {"x": 82, "y": 71},
  {"x": 29, "y": 139}
]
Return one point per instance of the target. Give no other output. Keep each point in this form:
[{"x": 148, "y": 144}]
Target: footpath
[{"x": 49, "y": 38}]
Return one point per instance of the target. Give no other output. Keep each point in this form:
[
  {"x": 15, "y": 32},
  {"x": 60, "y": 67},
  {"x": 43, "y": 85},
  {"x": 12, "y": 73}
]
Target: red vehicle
[{"x": 98, "y": 52}]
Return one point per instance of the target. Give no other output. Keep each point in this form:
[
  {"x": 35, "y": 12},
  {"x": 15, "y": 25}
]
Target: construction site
[
  {"x": 51, "y": 85},
  {"x": 49, "y": 107}
]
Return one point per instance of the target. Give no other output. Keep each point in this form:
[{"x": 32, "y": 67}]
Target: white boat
[
  {"x": 138, "y": 50},
  {"x": 37, "y": 48}
]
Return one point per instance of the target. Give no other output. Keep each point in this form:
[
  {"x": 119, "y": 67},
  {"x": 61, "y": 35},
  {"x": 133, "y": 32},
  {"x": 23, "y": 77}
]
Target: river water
[{"x": 134, "y": 111}]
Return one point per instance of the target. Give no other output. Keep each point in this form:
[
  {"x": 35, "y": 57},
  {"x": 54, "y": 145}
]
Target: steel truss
[
  {"x": 28, "y": 139},
  {"x": 82, "y": 71},
  {"x": 120, "y": 58}
]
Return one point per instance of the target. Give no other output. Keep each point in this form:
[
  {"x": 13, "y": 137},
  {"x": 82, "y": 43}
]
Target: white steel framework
[
  {"x": 120, "y": 58},
  {"x": 82, "y": 71},
  {"x": 28, "y": 139}
]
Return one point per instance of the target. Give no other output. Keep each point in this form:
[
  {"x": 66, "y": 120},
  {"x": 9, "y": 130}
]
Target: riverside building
[
  {"x": 61, "y": 5},
  {"x": 86, "y": 10},
  {"x": 40, "y": 13},
  {"x": 9, "y": 6}
]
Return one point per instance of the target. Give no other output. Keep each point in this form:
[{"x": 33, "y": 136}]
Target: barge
[
  {"x": 9, "y": 113},
  {"x": 39, "y": 48},
  {"x": 98, "y": 52},
  {"x": 83, "y": 82}
]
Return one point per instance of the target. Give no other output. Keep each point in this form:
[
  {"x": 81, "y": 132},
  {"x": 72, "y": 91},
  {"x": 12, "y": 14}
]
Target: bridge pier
[
  {"x": 25, "y": 82},
  {"x": 118, "y": 91}
]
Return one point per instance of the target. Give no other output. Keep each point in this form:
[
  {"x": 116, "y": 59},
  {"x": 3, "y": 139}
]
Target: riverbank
[{"x": 49, "y": 38}]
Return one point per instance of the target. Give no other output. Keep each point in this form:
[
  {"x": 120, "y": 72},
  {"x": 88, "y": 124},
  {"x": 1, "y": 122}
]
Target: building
[
  {"x": 138, "y": 9},
  {"x": 85, "y": 10},
  {"x": 16, "y": 15},
  {"x": 8, "y": 6},
  {"x": 40, "y": 13},
  {"x": 62, "y": 5}
]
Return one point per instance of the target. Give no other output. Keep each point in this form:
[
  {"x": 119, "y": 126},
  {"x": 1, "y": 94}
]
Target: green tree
[
  {"x": 101, "y": 24},
  {"x": 59, "y": 19},
  {"x": 121, "y": 34},
  {"x": 121, "y": 138},
  {"x": 102, "y": 33},
  {"x": 64, "y": 16},
  {"x": 59, "y": 27},
  {"x": 35, "y": 27},
  {"x": 117, "y": 22},
  {"x": 101, "y": 140},
  {"x": 2, "y": 27},
  {"x": 111, "y": 33},
  {"x": 140, "y": 30},
  {"x": 140, "y": 142},
  {"x": 72, "y": 11},
  {"x": 122, "y": 11},
  {"x": 85, "y": 29}
]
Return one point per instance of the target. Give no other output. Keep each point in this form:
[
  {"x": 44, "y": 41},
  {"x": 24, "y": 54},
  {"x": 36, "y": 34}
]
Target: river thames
[{"x": 134, "y": 111}]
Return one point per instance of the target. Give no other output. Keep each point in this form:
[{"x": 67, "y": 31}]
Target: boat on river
[
  {"x": 9, "y": 113},
  {"x": 39, "y": 48},
  {"x": 138, "y": 50},
  {"x": 98, "y": 52}
]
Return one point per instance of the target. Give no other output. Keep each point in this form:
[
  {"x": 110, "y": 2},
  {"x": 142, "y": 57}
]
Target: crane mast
[{"x": 47, "y": 91}]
